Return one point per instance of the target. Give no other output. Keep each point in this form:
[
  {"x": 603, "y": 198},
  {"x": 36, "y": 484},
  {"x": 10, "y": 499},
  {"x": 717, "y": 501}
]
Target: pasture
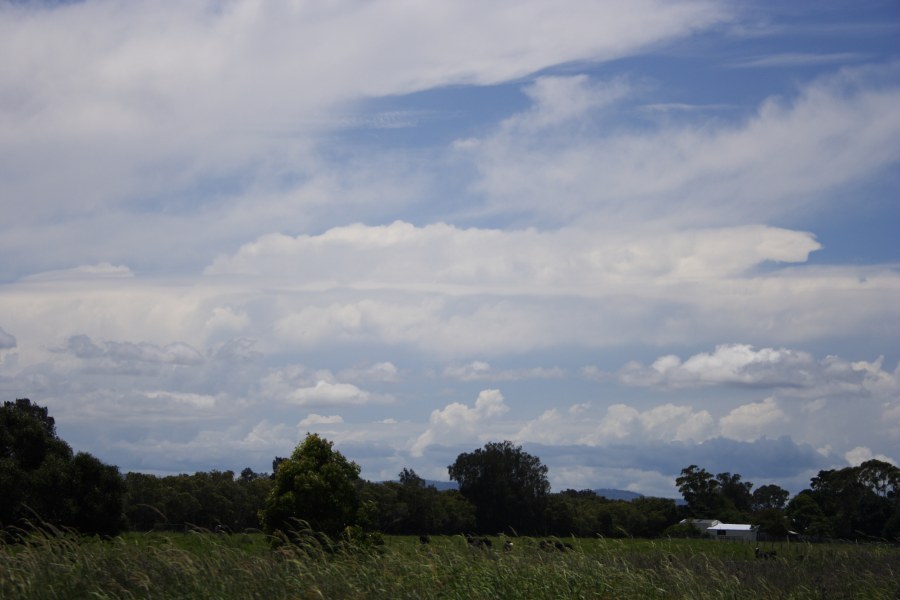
[{"x": 206, "y": 565}]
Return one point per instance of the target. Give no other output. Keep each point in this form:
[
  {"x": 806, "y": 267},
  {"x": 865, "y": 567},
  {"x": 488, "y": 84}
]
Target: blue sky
[{"x": 628, "y": 236}]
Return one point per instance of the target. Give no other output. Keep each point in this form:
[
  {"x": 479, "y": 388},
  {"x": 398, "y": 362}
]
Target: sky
[{"x": 627, "y": 236}]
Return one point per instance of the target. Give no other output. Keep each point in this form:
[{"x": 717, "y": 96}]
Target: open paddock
[{"x": 206, "y": 565}]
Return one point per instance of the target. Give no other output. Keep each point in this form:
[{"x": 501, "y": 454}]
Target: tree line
[{"x": 501, "y": 489}]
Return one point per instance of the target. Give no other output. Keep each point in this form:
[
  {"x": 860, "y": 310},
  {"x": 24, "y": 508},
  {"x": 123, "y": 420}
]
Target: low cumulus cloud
[
  {"x": 298, "y": 385},
  {"x": 861, "y": 454},
  {"x": 458, "y": 421},
  {"x": 314, "y": 419},
  {"x": 620, "y": 422},
  {"x": 752, "y": 421},
  {"x": 667, "y": 421},
  {"x": 792, "y": 372},
  {"x": 738, "y": 364}
]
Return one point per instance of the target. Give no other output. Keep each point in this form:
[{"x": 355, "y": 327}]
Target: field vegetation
[
  {"x": 73, "y": 527},
  {"x": 206, "y": 565}
]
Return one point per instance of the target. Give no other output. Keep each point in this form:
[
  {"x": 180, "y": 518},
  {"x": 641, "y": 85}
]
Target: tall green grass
[{"x": 205, "y": 565}]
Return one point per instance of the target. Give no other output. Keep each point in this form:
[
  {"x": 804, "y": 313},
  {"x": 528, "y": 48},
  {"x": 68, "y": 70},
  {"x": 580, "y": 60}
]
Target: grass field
[{"x": 205, "y": 565}]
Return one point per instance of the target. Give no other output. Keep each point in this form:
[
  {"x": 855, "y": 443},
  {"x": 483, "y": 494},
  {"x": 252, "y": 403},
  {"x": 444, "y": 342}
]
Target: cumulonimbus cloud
[{"x": 445, "y": 257}]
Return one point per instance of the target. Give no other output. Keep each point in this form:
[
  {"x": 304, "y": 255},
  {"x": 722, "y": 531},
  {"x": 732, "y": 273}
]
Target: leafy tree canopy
[
  {"x": 857, "y": 502},
  {"x": 769, "y": 496},
  {"x": 700, "y": 491},
  {"x": 507, "y": 485},
  {"x": 317, "y": 485},
  {"x": 42, "y": 480}
]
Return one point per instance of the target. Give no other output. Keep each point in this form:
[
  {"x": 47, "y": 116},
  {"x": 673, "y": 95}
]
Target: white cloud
[
  {"x": 327, "y": 393},
  {"x": 620, "y": 423},
  {"x": 314, "y": 419},
  {"x": 752, "y": 421},
  {"x": 740, "y": 364},
  {"x": 297, "y": 385},
  {"x": 861, "y": 454},
  {"x": 561, "y": 99},
  {"x": 194, "y": 400},
  {"x": 546, "y": 429},
  {"x": 664, "y": 422},
  {"x": 836, "y": 131},
  {"x": 442, "y": 257},
  {"x": 227, "y": 319},
  {"x": 467, "y": 293},
  {"x": 456, "y": 422},
  {"x": 680, "y": 423},
  {"x": 384, "y": 371},
  {"x": 455, "y": 291},
  {"x": 793, "y": 373},
  {"x": 145, "y": 103},
  {"x": 482, "y": 371}
]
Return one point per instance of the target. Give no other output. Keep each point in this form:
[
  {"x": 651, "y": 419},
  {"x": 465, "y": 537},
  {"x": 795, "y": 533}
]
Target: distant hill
[
  {"x": 611, "y": 494},
  {"x": 608, "y": 493},
  {"x": 442, "y": 485}
]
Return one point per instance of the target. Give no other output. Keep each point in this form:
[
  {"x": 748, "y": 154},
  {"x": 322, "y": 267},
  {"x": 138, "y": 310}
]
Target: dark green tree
[
  {"x": 211, "y": 500},
  {"x": 97, "y": 492},
  {"x": 735, "y": 492},
  {"x": 457, "y": 513},
  {"x": 144, "y": 497},
  {"x": 254, "y": 488},
  {"x": 419, "y": 502},
  {"x": 807, "y": 517},
  {"x": 771, "y": 522},
  {"x": 41, "y": 479},
  {"x": 379, "y": 507},
  {"x": 882, "y": 478},
  {"x": 507, "y": 485},
  {"x": 840, "y": 495},
  {"x": 316, "y": 485},
  {"x": 657, "y": 514},
  {"x": 767, "y": 497},
  {"x": 859, "y": 502},
  {"x": 700, "y": 491}
]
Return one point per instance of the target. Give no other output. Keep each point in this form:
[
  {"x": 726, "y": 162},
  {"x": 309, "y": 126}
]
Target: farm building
[
  {"x": 723, "y": 531},
  {"x": 740, "y": 532},
  {"x": 700, "y": 525}
]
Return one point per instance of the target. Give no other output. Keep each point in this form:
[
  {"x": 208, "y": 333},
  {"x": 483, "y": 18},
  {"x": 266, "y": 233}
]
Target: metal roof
[{"x": 732, "y": 527}]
